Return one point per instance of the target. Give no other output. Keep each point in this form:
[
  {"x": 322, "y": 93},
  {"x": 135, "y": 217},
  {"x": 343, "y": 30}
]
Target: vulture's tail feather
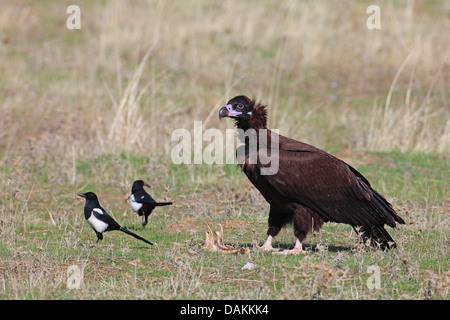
[{"x": 376, "y": 236}]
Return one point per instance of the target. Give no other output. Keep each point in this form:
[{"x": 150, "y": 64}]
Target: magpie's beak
[
  {"x": 81, "y": 195},
  {"x": 146, "y": 184}
]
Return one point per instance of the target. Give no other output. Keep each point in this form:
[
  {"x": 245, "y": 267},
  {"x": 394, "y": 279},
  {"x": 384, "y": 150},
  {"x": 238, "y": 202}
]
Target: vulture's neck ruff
[
  {"x": 257, "y": 120},
  {"x": 261, "y": 144},
  {"x": 255, "y": 128}
]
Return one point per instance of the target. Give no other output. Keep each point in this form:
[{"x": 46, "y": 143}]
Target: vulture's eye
[{"x": 239, "y": 106}]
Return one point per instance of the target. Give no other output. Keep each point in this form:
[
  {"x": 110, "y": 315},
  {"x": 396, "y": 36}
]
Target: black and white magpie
[
  {"x": 99, "y": 220},
  {"x": 142, "y": 203}
]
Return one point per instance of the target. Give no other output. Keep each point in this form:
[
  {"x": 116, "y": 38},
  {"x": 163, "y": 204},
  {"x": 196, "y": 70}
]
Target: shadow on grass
[{"x": 311, "y": 248}]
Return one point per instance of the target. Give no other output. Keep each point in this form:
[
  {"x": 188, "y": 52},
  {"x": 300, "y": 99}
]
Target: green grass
[
  {"x": 423, "y": 177},
  {"x": 44, "y": 232}
]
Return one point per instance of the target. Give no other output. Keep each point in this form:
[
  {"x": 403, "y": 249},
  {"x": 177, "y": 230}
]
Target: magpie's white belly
[
  {"x": 97, "y": 224},
  {"x": 135, "y": 206}
]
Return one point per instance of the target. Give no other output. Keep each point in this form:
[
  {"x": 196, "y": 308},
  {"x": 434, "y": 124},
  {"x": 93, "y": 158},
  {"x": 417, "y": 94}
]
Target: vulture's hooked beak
[{"x": 228, "y": 111}]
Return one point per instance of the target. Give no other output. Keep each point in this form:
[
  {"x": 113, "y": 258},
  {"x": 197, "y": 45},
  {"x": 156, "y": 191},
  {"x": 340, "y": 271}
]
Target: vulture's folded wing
[{"x": 327, "y": 185}]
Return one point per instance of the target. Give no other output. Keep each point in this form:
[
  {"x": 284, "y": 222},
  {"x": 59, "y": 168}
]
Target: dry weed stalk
[
  {"x": 128, "y": 127},
  {"x": 409, "y": 124}
]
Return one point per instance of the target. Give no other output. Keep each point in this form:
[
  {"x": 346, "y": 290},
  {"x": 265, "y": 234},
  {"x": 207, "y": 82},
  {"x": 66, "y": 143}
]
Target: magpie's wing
[
  {"x": 102, "y": 215},
  {"x": 144, "y": 198}
]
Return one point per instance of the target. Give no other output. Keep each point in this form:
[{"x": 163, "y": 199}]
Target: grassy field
[{"x": 94, "y": 109}]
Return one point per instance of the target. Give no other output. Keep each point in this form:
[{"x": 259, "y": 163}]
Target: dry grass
[
  {"x": 134, "y": 73},
  {"x": 79, "y": 109}
]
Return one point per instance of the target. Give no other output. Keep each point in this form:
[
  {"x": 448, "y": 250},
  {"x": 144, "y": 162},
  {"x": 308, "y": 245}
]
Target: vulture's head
[{"x": 246, "y": 112}]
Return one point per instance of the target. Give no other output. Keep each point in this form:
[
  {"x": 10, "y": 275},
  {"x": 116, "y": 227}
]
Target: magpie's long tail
[
  {"x": 134, "y": 235},
  {"x": 160, "y": 204}
]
